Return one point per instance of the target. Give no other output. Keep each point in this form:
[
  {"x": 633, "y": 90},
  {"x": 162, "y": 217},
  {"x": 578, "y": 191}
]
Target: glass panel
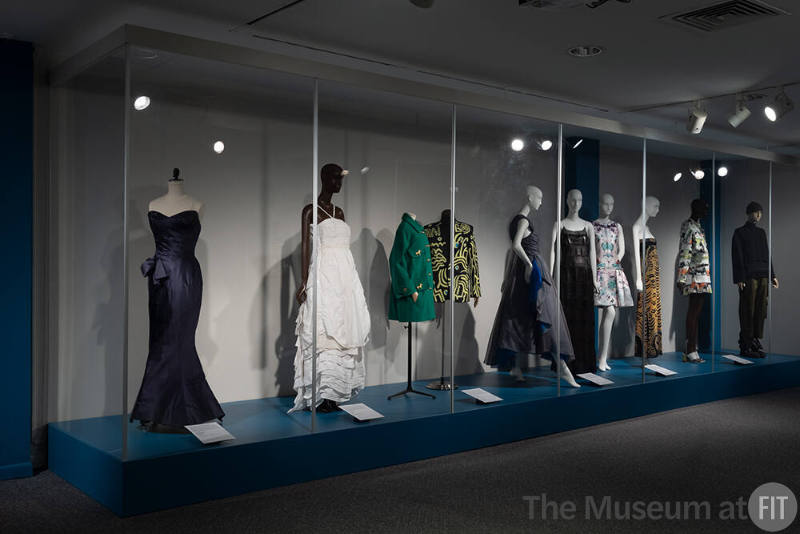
[
  {"x": 743, "y": 183},
  {"x": 781, "y": 335},
  {"x": 680, "y": 181},
  {"x": 86, "y": 381},
  {"x": 242, "y": 140},
  {"x": 397, "y": 151},
  {"x": 602, "y": 200},
  {"x": 506, "y": 191}
]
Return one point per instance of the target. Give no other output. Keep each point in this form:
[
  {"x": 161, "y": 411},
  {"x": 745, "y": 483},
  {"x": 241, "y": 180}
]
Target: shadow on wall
[
  {"x": 285, "y": 344},
  {"x": 369, "y": 251}
]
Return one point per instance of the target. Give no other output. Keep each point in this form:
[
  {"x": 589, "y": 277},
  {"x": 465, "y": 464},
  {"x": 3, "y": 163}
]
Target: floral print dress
[
  {"x": 694, "y": 272},
  {"x": 613, "y": 288}
]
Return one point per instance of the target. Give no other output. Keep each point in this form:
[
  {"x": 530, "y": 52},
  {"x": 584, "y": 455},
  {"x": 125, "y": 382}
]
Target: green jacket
[{"x": 410, "y": 267}]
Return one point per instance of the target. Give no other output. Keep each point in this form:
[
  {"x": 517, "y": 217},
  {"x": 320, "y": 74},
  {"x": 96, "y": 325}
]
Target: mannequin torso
[{"x": 175, "y": 201}]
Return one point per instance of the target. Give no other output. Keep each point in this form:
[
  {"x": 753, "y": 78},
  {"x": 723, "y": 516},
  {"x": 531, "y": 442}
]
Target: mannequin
[
  {"x": 176, "y": 200},
  {"x": 613, "y": 289},
  {"x": 529, "y": 311},
  {"x": 752, "y": 274},
  {"x": 174, "y": 391},
  {"x": 648, "y": 306},
  {"x": 578, "y": 284},
  {"x": 341, "y": 336},
  {"x": 694, "y": 274}
]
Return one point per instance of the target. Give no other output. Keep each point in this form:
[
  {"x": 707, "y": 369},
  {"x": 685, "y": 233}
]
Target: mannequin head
[
  {"x": 754, "y": 212},
  {"x": 332, "y": 176},
  {"x": 606, "y": 205},
  {"x": 699, "y": 209},
  {"x": 651, "y": 206},
  {"x": 574, "y": 201},
  {"x": 535, "y": 197}
]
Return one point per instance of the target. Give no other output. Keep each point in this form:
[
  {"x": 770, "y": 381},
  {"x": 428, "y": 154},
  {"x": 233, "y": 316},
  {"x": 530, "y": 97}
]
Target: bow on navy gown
[{"x": 174, "y": 390}]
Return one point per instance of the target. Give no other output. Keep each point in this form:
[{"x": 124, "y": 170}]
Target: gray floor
[{"x": 714, "y": 452}]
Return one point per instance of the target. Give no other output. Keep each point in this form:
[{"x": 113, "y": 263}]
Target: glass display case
[{"x": 244, "y": 240}]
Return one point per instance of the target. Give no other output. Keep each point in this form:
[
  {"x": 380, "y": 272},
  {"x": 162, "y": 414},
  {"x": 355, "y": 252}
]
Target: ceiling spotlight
[
  {"x": 698, "y": 174},
  {"x": 219, "y": 147},
  {"x": 677, "y": 176},
  {"x": 576, "y": 145},
  {"x": 517, "y": 145},
  {"x": 779, "y": 107},
  {"x": 141, "y": 103},
  {"x": 544, "y": 144},
  {"x": 364, "y": 170},
  {"x": 697, "y": 118},
  {"x": 722, "y": 171},
  {"x": 740, "y": 114}
]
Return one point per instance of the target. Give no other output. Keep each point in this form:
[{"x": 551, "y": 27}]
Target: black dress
[
  {"x": 174, "y": 390},
  {"x": 577, "y": 298},
  {"x": 525, "y": 324}
]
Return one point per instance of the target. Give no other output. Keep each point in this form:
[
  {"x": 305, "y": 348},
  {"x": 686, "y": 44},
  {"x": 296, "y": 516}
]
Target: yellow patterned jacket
[{"x": 465, "y": 268}]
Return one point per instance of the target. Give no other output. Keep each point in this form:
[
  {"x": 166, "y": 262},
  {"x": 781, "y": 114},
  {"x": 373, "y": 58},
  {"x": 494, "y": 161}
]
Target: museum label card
[
  {"x": 482, "y": 395},
  {"x": 663, "y": 371},
  {"x": 595, "y": 379},
  {"x": 736, "y": 359},
  {"x": 209, "y": 432},
  {"x": 361, "y": 411}
]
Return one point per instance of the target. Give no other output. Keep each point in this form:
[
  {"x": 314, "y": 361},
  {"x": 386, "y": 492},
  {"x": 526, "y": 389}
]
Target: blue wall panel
[{"x": 16, "y": 237}]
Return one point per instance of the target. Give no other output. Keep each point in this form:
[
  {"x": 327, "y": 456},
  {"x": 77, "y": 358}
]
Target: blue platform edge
[{"x": 145, "y": 485}]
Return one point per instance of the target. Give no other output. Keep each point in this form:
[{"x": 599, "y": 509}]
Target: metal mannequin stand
[
  {"x": 409, "y": 389},
  {"x": 442, "y": 384}
]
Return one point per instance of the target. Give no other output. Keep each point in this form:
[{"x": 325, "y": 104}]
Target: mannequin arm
[
  {"x": 305, "y": 251},
  {"x": 620, "y": 242},
  {"x": 592, "y": 253},
  {"x": 637, "y": 239},
  {"x": 516, "y": 246},
  {"x": 556, "y": 228}
]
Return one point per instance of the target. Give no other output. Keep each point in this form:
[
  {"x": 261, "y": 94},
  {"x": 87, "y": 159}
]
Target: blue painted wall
[{"x": 16, "y": 239}]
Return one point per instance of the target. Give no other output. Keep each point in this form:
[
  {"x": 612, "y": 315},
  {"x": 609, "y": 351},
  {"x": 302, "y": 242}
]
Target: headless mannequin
[
  {"x": 696, "y": 300},
  {"x": 651, "y": 207},
  {"x": 175, "y": 201},
  {"x": 533, "y": 201},
  {"x": 608, "y": 313},
  {"x": 331, "y": 176},
  {"x": 446, "y": 221}
]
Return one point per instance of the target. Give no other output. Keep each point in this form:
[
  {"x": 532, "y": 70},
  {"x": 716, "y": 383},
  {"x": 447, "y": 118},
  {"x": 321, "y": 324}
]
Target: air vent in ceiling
[{"x": 723, "y": 15}]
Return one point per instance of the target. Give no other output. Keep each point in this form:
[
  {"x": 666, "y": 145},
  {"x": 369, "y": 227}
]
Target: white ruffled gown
[{"x": 343, "y": 322}]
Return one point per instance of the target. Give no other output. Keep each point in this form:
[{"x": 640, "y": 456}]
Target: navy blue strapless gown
[{"x": 174, "y": 390}]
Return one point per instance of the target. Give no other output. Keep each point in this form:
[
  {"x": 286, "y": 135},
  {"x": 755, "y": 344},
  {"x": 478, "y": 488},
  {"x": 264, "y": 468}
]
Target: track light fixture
[
  {"x": 697, "y": 118},
  {"x": 740, "y": 114},
  {"x": 698, "y": 173},
  {"x": 517, "y": 144},
  {"x": 678, "y": 176},
  {"x": 779, "y": 107},
  {"x": 576, "y": 145},
  {"x": 722, "y": 171},
  {"x": 544, "y": 143}
]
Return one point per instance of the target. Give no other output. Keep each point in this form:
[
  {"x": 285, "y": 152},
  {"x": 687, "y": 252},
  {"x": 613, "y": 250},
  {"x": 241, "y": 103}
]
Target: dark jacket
[
  {"x": 750, "y": 253},
  {"x": 467, "y": 283},
  {"x": 410, "y": 267}
]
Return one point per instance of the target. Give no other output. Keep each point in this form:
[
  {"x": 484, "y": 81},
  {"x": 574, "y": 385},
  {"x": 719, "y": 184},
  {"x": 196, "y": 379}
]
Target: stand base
[
  {"x": 441, "y": 385},
  {"x": 409, "y": 389}
]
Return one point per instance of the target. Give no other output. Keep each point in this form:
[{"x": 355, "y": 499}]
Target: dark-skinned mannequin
[
  {"x": 696, "y": 300},
  {"x": 331, "y": 176}
]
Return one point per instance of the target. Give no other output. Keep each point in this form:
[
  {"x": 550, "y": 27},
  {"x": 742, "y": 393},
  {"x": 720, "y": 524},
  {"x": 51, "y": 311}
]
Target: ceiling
[{"x": 647, "y": 63}]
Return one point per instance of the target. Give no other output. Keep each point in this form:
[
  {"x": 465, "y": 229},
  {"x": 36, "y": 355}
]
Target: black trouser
[
  {"x": 696, "y": 301},
  {"x": 752, "y": 310}
]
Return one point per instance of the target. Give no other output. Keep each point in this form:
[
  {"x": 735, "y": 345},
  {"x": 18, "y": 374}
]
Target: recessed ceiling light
[
  {"x": 586, "y": 50},
  {"x": 517, "y": 145}
]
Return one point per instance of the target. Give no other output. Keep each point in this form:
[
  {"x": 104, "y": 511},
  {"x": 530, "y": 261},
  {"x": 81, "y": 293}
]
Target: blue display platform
[{"x": 273, "y": 449}]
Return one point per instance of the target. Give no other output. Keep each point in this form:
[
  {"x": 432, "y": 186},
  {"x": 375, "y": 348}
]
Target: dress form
[{"x": 176, "y": 200}]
